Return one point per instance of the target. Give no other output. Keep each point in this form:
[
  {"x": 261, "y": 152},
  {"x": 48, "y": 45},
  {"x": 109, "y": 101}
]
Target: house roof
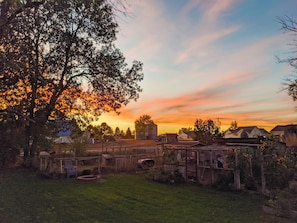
[
  {"x": 170, "y": 134},
  {"x": 64, "y": 127},
  {"x": 282, "y": 128},
  {"x": 63, "y": 139},
  {"x": 64, "y": 132},
  {"x": 264, "y": 131},
  {"x": 224, "y": 141},
  {"x": 248, "y": 129}
]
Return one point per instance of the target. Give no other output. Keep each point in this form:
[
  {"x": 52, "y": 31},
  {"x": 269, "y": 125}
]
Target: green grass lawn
[{"x": 27, "y": 197}]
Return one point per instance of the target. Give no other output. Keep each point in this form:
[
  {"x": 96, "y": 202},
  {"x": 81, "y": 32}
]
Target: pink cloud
[
  {"x": 198, "y": 44},
  {"x": 144, "y": 31},
  {"x": 215, "y": 9}
]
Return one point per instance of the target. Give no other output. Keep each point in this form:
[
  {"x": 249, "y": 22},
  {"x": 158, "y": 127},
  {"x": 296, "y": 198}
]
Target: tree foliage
[
  {"x": 144, "y": 124},
  {"x": 279, "y": 163},
  {"x": 233, "y": 126},
  {"x": 117, "y": 131},
  {"x": 58, "y": 61},
  {"x": 185, "y": 130},
  {"x": 106, "y": 131},
  {"x": 206, "y": 131},
  {"x": 103, "y": 132},
  {"x": 128, "y": 134}
]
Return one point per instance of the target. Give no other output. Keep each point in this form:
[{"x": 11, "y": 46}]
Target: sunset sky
[{"x": 207, "y": 59}]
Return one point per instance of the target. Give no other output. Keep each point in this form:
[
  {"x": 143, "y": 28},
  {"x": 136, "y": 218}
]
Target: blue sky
[{"x": 207, "y": 59}]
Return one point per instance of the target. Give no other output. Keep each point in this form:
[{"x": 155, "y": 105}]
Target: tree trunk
[{"x": 27, "y": 145}]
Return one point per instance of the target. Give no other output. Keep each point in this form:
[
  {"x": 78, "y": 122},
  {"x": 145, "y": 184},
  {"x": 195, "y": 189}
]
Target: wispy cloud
[
  {"x": 200, "y": 61},
  {"x": 198, "y": 45}
]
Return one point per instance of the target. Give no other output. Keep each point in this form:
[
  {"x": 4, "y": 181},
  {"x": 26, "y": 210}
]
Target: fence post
[
  {"x": 263, "y": 179},
  {"x": 236, "y": 172},
  {"x": 61, "y": 164}
]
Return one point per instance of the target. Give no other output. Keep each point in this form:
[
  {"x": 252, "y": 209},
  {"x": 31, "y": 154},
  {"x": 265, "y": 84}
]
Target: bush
[
  {"x": 8, "y": 155},
  {"x": 279, "y": 167},
  {"x": 283, "y": 202},
  {"x": 250, "y": 183},
  {"x": 224, "y": 181},
  {"x": 278, "y": 161},
  {"x": 159, "y": 175}
]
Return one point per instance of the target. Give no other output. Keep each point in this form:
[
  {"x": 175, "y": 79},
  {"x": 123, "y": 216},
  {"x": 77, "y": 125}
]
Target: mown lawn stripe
[{"x": 27, "y": 197}]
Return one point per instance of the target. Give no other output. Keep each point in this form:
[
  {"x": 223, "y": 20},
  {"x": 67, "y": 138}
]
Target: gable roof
[
  {"x": 283, "y": 128},
  {"x": 278, "y": 128},
  {"x": 264, "y": 131},
  {"x": 247, "y": 129},
  {"x": 246, "y": 132}
]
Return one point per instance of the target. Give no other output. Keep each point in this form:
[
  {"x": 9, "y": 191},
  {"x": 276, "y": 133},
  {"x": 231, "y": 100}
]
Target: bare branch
[{"x": 288, "y": 24}]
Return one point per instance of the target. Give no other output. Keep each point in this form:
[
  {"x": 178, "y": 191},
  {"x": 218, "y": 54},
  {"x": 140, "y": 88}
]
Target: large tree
[
  {"x": 58, "y": 60},
  {"x": 144, "y": 124},
  {"x": 289, "y": 25},
  {"x": 206, "y": 131}
]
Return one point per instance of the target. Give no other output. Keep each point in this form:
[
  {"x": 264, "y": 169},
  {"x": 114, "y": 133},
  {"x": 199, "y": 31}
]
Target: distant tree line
[{"x": 104, "y": 132}]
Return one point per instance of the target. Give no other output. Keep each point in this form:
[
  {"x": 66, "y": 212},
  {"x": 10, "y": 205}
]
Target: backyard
[{"x": 29, "y": 197}]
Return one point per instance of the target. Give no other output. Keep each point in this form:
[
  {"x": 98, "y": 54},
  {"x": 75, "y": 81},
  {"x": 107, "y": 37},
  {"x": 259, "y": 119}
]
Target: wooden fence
[{"x": 116, "y": 160}]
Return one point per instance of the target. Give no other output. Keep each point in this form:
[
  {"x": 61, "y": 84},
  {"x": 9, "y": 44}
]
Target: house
[
  {"x": 170, "y": 138},
  {"x": 182, "y": 136},
  {"x": 63, "y": 139},
  {"x": 280, "y": 130},
  {"x": 286, "y": 134},
  {"x": 246, "y": 132},
  {"x": 185, "y": 136},
  {"x": 64, "y": 128}
]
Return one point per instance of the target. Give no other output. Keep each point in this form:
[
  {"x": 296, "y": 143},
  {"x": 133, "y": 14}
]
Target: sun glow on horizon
[{"x": 114, "y": 121}]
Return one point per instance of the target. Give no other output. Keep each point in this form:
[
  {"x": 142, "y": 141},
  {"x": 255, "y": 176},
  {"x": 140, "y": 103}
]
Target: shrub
[
  {"x": 279, "y": 167},
  {"x": 278, "y": 161},
  {"x": 159, "y": 175},
  {"x": 8, "y": 155},
  {"x": 250, "y": 183},
  {"x": 283, "y": 202},
  {"x": 224, "y": 181}
]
